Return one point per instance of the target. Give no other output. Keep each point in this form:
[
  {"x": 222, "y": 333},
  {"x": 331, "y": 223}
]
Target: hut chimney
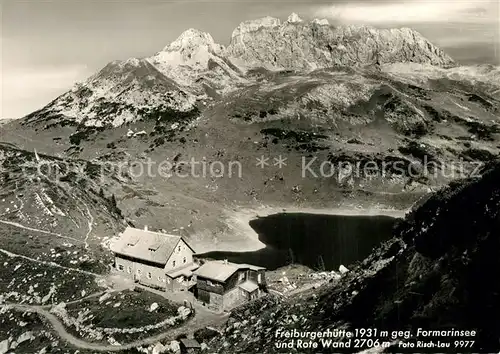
[{"x": 145, "y": 227}]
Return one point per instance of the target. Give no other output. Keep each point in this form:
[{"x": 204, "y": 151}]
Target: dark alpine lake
[{"x": 314, "y": 240}]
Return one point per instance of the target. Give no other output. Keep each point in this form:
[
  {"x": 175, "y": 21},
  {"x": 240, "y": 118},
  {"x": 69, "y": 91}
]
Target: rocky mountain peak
[
  {"x": 269, "y": 43},
  {"x": 255, "y": 25},
  {"x": 294, "y": 18},
  {"x": 194, "y": 67},
  {"x": 185, "y": 57},
  {"x": 192, "y": 39}
]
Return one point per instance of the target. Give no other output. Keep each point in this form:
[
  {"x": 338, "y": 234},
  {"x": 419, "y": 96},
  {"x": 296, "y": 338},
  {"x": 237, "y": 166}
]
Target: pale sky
[{"x": 48, "y": 45}]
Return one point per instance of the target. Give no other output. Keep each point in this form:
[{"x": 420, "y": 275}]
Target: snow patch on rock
[{"x": 294, "y": 18}]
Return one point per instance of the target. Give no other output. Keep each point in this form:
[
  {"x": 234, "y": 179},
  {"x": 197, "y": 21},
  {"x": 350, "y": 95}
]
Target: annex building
[{"x": 222, "y": 285}]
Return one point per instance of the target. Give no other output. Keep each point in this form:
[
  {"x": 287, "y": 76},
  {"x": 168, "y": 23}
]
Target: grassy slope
[{"x": 56, "y": 195}]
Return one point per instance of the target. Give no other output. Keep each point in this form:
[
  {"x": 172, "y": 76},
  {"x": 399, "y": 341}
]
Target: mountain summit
[
  {"x": 192, "y": 48},
  {"x": 191, "y": 39},
  {"x": 193, "y": 68},
  {"x": 196, "y": 62}
]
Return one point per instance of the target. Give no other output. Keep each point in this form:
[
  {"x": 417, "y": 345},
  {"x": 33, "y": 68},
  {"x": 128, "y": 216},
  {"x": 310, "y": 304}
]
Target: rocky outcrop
[
  {"x": 480, "y": 77},
  {"x": 253, "y": 26},
  {"x": 294, "y": 18},
  {"x": 295, "y": 44},
  {"x": 195, "y": 61}
]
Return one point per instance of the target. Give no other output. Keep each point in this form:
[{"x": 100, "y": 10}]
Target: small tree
[
  {"x": 292, "y": 257},
  {"x": 113, "y": 201},
  {"x": 114, "y": 205},
  {"x": 321, "y": 263}
]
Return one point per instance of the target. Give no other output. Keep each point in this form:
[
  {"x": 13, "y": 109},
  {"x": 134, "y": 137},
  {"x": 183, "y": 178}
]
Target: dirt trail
[
  {"x": 15, "y": 224},
  {"x": 51, "y": 264},
  {"x": 187, "y": 327},
  {"x": 91, "y": 296}
]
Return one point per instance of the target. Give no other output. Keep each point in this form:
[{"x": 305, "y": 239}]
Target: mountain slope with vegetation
[
  {"x": 359, "y": 117},
  {"x": 59, "y": 196},
  {"x": 340, "y": 97}
]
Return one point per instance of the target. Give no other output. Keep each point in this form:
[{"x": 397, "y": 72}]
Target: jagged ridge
[
  {"x": 295, "y": 44},
  {"x": 194, "y": 68}
]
